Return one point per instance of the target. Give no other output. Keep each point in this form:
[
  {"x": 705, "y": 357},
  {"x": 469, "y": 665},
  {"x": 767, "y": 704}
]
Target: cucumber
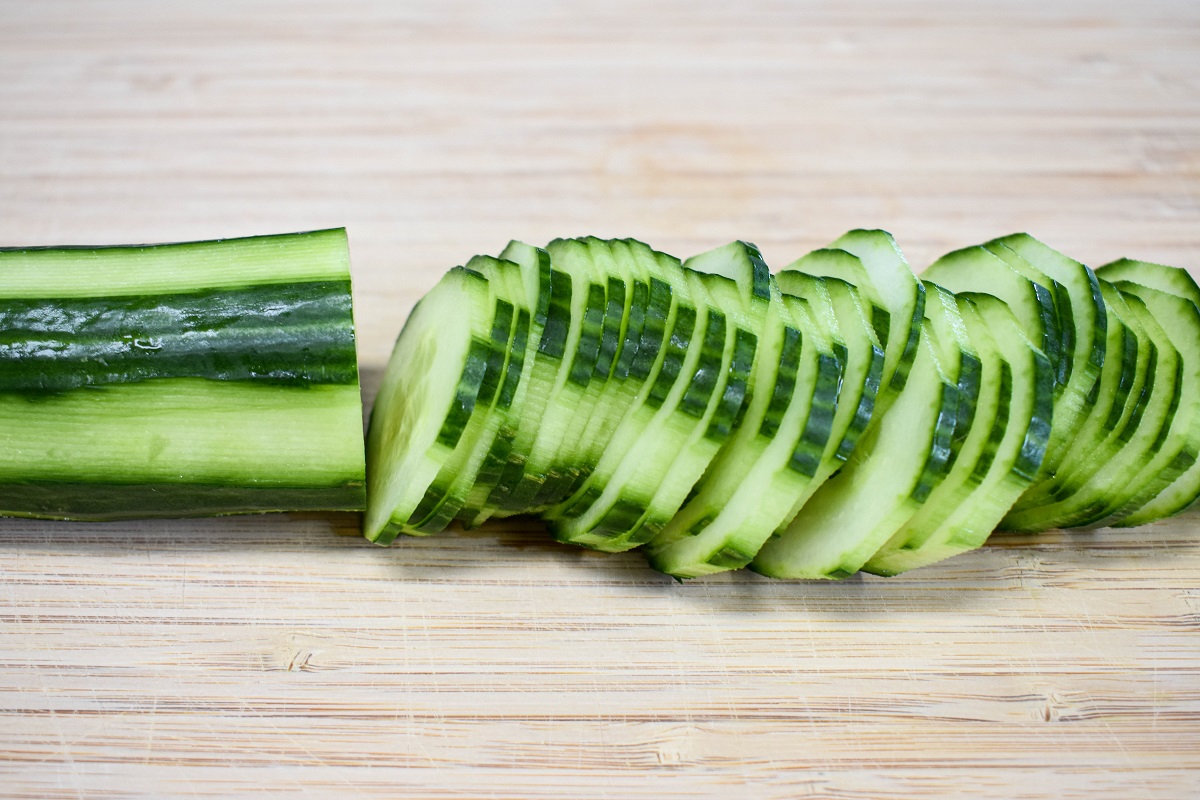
[
  {"x": 1127, "y": 354},
  {"x": 1134, "y": 445},
  {"x": 1013, "y": 446},
  {"x": 976, "y": 433},
  {"x": 887, "y": 283},
  {"x": 577, "y": 384},
  {"x": 179, "y": 380},
  {"x": 749, "y": 488},
  {"x": 843, "y": 415},
  {"x": 1180, "y": 442},
  {"x": 447, "y": 496},
  {"x": 442, "y": 363},
  {"x": 659, "y": 473},
  {"x": 888, "y": 478},
  {"x": 1184, "y": 491}
]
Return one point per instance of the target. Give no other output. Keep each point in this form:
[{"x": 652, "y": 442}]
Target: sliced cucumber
[
  {"x": 1083, "y": 324},
  {"x": 891, "y": 286},
  {"x": 1013, "y": 446},
  {"x": 1180, "y": 441},
  {"x": 664, "y": 471},
  {"x": 1127, "y": 354},
  {"x": 749, "y": 488},
  {"x": 429, "y": 394},
  {"x": 1184, "y": 491},
  {"x": 891, "y": 473},
  {"x": 1134, "y": 445},
  {"x": 836, "y": 310}
]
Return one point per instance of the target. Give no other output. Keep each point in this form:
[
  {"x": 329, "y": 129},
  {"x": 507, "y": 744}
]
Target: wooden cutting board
[{"x": 284, "y": 655}]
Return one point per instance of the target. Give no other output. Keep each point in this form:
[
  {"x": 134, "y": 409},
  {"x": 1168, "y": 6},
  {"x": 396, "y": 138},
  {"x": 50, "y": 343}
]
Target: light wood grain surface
[{"x": 284, "y": 655}]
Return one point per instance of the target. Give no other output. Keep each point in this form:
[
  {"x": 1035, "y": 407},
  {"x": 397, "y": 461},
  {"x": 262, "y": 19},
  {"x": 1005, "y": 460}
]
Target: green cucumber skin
[
  {"x": 107, "y": 502},
  {"x": 94, "y": 341},
  {"x": 299, "y": 333}
]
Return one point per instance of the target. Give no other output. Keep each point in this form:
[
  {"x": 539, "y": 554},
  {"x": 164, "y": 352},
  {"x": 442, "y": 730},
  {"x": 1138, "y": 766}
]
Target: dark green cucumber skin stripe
[
  {"x": 298, "y": 333},
  {"x": 465, "y": 395},
  {"x": 942, "y": 454},
  {"x": 900, "y": 376},
  {"x": 658, "y": 311},
  {"x": 712, "y": 349},
  {"x": 98, "y": 502},
  {"x": 995, "y": 435},
  {"x": 785, "y": 382},
  {"x": 1129, "y": 341},
  {"x": 610, "y": 334},
  {"x": 866, "y": 405},
  {"x": 583, "y": 365},
  {"x": 806, "y": 457},
  {"x": 677, "y": 347},
  {"x": 733, "y": 399}
]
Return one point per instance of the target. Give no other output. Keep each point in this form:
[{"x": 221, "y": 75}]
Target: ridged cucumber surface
[{"x": 184, "y": 379}]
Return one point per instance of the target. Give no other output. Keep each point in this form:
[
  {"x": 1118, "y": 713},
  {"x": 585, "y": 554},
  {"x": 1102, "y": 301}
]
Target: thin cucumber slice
[
  {"x": 528, "y": 379},
  {"x": 1013, "y": 449},
  {"x": 446, "y": 497},
  {"x": 1084, "y": 327},
  {"x": 646, "y": 432},
  {"x": 1180, "y": 445},
  {"x": 627, "y": 298},
  {"x": 1184, "y": 491},
  {"x": 891, "y": 286},
  {"x": 837, "y": 310},
  {"x": 1127, "y": 354},
  {"x": 557, "y": 344},
  {"x": 976, "y": 270},
  {"x": 962, "y": 341},
  {"x": 878, "y": 490},
  {"x": 1136, "y": 444},
  {"x": 577, "y": 383},
  {"x": 428, "y": 396},
  {"x": 771, "y": 460},
  {"x": 663, "y": 475}
]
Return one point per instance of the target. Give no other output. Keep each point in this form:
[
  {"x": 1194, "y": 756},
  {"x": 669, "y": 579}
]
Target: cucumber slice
[
  {"x": 558, "y": 340},
  {"x": 598, "y": 415},
  {"x": 836, "y": 309},
  {"x": 1177, "y": 453},
  {"x": 530, "y": 379},
  {"x": 645, "y": 432},
  {"x": 1184, "y": 492},
  {"x": 1127, "y": 355},
  {"x": 890, "y": 475},
  {"x": 446, "y": 497},
  {"x": 577, "y": 384},
  {"x": 665, "y": 473},
  {"x": 1083, "y": 324},
  {"x": 975, "y": 433},
  {"x": 890, "y": 285},
  {"x": 749, "y": 488},
  {"x": 1013, "y": 446},
  {"x": 179, "y": 380},
  {"x": 976, "y": 270},
  {"x": 1133, "y": 446},
  {"x": 429, "y": 394}
]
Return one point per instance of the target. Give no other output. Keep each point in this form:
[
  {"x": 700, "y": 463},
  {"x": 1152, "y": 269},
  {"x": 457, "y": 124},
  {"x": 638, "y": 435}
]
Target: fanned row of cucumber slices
[{"x": 840, "y": 415}]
